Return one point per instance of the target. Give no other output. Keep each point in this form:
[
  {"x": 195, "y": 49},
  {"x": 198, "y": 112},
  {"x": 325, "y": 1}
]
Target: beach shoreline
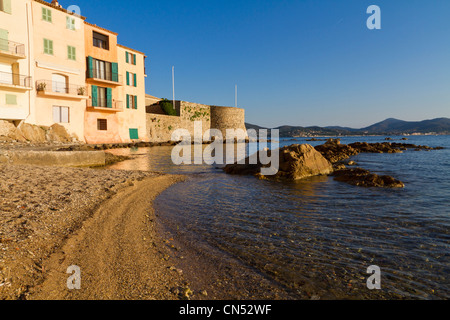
[{"x": 100, "y": 220}]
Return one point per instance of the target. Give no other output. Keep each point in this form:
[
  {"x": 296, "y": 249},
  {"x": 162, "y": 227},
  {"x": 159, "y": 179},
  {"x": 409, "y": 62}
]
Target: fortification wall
[
  {"x": 223, "y": 118},
  {"x": 160, "y": 127}
]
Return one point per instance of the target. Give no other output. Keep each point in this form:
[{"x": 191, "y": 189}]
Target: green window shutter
[
  {"x": 49, "y": 15},
  {"x": 127, "y": 57},
  {"x": 135, "y": 102},
  {"x": 128, "y": 78},
  {"x": 71, "y": 53},
  {"x": 7, "y": 6},
  {"x": 90, "y": 62},
  {"x": 135, "y": 80},
  {"x": 4, "y": 39},
  {"x": 109, "y": 97},
  {"x": 48, "y": 46},
  {"x": 134, "y": 59},
  {"x": 44, "y": 14},
  {"x": 134, "y": 134},
  {"x": 67, "y": 22},
  {"x": 128, "y": 101},
  {"x": 11, "y": 99},
  {"x": 115, "y": 71},
  {"x": 94, "y": 96}
]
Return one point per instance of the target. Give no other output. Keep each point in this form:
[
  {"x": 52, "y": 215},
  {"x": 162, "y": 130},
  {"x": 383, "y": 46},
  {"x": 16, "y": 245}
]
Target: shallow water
[{"x": 319, "y": 235}]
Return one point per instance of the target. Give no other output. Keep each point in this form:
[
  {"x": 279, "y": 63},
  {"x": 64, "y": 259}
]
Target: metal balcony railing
[
  {"x": 102, "y": 75},
  {"x": 12, "y": 47},
  {"x": 60, "y": 87},
  {"x": 105, "y": 103},
  {"x": 15, "y": 79}
]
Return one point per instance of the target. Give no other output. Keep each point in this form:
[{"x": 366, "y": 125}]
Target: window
[
  {"x": 46, "y": 14},
  {"x": 130, "y": 58},
  {"x": 131, "y": 79},
  {"x": 102, "y": 97},
  {"x": 101, "y": 41},
  {"x": 71, "y": 53},
  {"x": 102, "y": 124},
  {"x": 5, "y": 6},
  {"x": 70, "y": 23},
  {"x": 131, "y": 102},
  {"x": 60, "y": 114},
  {"x": 48, "y": 46},
  {"x": 59, "y": 83},
  {"x": 11, "y": 99}
]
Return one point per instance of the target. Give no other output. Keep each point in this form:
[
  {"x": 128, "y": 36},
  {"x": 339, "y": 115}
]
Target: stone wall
[
  {"x": 223, "y": 118},
  {"x": 160, "y": 127}
]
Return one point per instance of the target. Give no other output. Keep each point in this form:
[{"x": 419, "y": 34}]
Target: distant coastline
[{"x": 388, "y": 127}]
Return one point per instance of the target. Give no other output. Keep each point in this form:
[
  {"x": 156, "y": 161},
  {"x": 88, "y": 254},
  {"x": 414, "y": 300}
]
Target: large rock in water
[
  {"x": 296, "y": 162},
  {"x": 363, "y": 178}
]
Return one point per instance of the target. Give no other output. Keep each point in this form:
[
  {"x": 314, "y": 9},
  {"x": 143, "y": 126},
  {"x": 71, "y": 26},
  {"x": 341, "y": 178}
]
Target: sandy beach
[{"x": 100, "y": 220}]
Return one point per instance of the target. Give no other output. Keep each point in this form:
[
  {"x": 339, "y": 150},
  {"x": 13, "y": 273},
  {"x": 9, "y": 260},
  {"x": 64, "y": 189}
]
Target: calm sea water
[{"x": 318, "y": 233}]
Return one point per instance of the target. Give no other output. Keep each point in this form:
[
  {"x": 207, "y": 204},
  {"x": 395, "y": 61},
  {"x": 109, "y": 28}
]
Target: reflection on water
[{"x": 319, "y": 236}]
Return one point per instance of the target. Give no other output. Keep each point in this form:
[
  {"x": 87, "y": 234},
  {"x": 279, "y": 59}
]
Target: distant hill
[
  {"x": 386, "y": 127},
  {"x": 398, "y": 126}
]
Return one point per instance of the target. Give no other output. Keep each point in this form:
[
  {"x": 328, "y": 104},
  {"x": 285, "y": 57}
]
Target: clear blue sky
[{"x": 311, "y": 62}]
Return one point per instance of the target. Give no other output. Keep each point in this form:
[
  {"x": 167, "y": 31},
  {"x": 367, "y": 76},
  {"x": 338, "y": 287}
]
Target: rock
[
  {"x": 32, "y": 133},
  {"x": 351, "y": 163},
  {"x": 388, "y": 139},
  {"x": 363, "y": 178},
  {"x": 334, "y": 151},
  {"x": 10, "y": 132},
  {"x": 58, "y": 133},
  {"x": 296, "y": 162}
]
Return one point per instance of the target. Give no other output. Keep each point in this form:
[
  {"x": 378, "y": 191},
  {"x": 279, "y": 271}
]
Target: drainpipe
[{"x": 29, "y": 59}]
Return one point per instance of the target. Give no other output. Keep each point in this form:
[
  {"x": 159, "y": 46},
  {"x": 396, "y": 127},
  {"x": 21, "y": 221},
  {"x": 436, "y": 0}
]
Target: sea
[{"x": 327, "y": 234}]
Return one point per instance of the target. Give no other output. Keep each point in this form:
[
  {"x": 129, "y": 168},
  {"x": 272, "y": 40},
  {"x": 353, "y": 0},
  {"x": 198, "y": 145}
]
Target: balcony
[
  {"x": 14, "y": 81},
  {"x": 11, "y": 49},
  {"x": 105, "y": 105},
  {"x": 101, "y": 76},
  {"x": 61, "y": 90}
]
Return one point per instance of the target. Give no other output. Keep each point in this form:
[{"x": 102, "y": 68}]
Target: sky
[{"x": 303, "y": 62}]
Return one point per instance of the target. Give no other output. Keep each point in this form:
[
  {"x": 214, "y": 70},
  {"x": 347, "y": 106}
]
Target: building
[
  {"x": 103, "y": 81},
  {"x": 59, "y": 68},
  {"x": 16, "y": 71},
  {"x": 132, "y": 121}
]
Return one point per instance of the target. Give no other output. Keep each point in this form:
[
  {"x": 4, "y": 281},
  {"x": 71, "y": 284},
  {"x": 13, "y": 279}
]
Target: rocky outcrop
[
  {"x": 363, "y": 178},
  {"x": 34, "y": 134},
  {"x": 296, "y": 162},
  {"x": 334, "y": 151}
]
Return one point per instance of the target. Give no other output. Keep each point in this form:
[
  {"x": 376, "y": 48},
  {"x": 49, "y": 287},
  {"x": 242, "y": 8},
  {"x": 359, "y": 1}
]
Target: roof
[
  {"x": 128, "y": 48},
  {"x": 96, "y": 26},
  {"x": 60, "y": 8}
]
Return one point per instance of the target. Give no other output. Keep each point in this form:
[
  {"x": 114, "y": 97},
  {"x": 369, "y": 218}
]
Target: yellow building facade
[
  {"x": 55, "y": 67},
  {"x": 132, "y": 121},
  {"x": 16, "y": 70},
  {"x": 60, "y": 93}
]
